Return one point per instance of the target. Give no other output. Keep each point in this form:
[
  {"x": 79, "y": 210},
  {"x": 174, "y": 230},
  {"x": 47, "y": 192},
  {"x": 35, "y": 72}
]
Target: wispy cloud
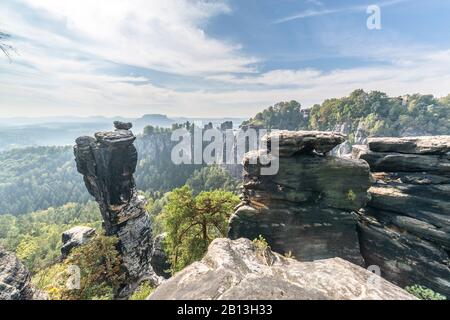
[
  {"x": 167, "y": 36},
  {"x": 314, "y": 12}
]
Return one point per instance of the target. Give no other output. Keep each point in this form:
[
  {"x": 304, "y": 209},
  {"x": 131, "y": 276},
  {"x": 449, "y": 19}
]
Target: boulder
[
  {"x": 241, "y": 270},
  {"x": 75, "y": 237},
  {"x": 160, "y": 261},
  {"x": 15, "y": 280}
]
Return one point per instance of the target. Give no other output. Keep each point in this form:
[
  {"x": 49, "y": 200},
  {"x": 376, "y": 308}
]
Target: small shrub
[
  {"x": 261, "y": 243},
  {"x": 263, "y": 251},
  {"x": 351, "y": 195},
  {"x": 142, "y": 293},
  {"x": 424, "y": 293},
  {"x": 100, "y": 269}
]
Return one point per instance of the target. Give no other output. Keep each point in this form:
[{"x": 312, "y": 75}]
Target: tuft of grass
[
  {"x": 423, "y": 293},
  {"x": 289, "y": 255},
  {"x": 261, "y": 243}
]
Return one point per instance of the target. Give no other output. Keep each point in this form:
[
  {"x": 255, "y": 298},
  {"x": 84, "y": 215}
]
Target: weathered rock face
[
  {"x": 75, "y": 237},
  {"x": 159, "y": 257},
  {"x": 15, "y": 280},
  {"x": 239, "y": 270},
  {"x": 307, "y": 208},
  {"x": 107, "y": 164},
  {"x": 406, "y": 227},
  {"x": 412, "y": 145}
]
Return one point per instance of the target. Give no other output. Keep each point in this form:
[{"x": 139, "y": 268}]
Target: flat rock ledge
[
  {"x": 411, "y": 145},
  {"x": 238, "y": 270},
  {"x": 292, "y": 142}
]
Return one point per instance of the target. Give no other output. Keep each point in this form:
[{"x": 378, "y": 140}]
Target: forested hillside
[
  {"x": 376, "y": 112},
  {"x": 36, "y": 237},
  {"x": 38, "y": 178}
]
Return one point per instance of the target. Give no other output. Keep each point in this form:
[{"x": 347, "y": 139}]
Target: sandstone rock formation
[
  {"x": 107, "y": 163},
  {"x": 307, "y": 208},
  {"x": 406, "y": 227},
  {"x": 159, "y": 259},
  {"x": 15, "y": 280},
  {"x": 240, "y": 270},
  {"x": 75, "y": 237}
]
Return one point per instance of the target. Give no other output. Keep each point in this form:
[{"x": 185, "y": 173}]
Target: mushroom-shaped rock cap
[
  {"x": 295, "y": 142},
  {"x": 85, "y": 140},
  {"x": 119, "y": 125},
  {"x": 411, "y": 145},
  {"x": 115, "y": 137}
]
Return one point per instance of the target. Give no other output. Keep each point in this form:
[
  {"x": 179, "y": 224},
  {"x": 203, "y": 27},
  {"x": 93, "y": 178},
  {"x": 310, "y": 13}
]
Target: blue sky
[{"x": 214, "y": 58}]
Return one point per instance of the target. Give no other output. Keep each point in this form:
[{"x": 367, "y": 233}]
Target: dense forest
[
  {"x": 36, "y": 237},
  {"x": 38, "y": 178},
  {"x": 376, "y": 112}
]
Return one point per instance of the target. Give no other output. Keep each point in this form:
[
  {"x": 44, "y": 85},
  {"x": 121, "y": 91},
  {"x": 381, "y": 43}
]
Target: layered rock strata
[
  {"x": 307, "y": 208},
  {"x": 406, "y": 227},
  {"x": 239, "y": 270},
  {"x": 107, "y": 163}
]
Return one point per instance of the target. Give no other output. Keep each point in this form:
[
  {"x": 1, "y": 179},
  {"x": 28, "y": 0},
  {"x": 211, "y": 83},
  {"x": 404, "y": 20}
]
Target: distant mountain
[
  {"x": 155, "y": 120},
  {"x": 60, "y": 131}
]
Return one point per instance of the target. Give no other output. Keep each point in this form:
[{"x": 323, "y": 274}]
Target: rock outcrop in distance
[
  {"x": 75, "y": 237},
  {"x": 405, "y": 228},
  {"x": 308, "y": 208},
  {"x": 107, "y": 163},
  {"x": 15, "y": 280},
  {"x": 239, "y": 270}
]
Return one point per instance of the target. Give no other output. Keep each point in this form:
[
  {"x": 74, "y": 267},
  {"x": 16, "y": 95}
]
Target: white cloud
[
  {"x": 162, "y": 35},
  {"x": 64, "y": 71},
  {"x": 322, "y": 12}
]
